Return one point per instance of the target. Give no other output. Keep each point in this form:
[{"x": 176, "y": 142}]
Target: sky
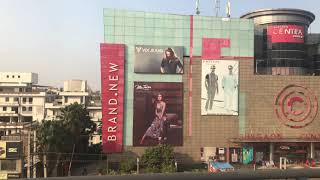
[{"x": 59, "y": 39}]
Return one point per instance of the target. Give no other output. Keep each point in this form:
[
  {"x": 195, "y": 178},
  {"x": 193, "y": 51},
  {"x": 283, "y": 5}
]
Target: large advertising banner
[
  {"x": 158, "y": 59},
  {"x": 158, "y": 109},
  {"x": 112, "y": 87},
  {"x": 247, "y": 155},
  {"x": 13, "y": 149},
  {"x": 285, "y": 33},
  {"x": 219, "y": 87}
]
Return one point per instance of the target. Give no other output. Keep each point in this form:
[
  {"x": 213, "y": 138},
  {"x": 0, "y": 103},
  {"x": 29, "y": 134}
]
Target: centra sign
[{"x": 285, "y": 33}]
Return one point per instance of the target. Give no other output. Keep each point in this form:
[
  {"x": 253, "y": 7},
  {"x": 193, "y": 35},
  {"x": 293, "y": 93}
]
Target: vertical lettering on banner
[{"x": 112, "y": 91}]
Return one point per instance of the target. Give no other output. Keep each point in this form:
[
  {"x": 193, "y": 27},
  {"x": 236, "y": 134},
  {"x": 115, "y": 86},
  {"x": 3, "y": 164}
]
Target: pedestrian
[{"x": 84, "y": 172}]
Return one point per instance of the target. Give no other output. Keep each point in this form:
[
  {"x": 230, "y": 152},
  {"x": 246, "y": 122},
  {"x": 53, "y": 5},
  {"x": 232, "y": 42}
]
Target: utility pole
[
  {"x": 29, "y": 155},
  {"x": 44, "y": 165},
  {"x": 34, "y": 154},
  {"x": 69, "y": 171}
]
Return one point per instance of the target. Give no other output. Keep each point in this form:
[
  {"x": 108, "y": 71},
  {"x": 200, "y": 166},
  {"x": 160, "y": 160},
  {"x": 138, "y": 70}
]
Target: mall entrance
[{"x": 297, "y": 153}]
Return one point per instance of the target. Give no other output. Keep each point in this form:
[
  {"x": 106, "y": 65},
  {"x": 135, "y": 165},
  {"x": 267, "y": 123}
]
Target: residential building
[
  {"x": 74, "y": 91},
  {"x": 21, "y": 100}
]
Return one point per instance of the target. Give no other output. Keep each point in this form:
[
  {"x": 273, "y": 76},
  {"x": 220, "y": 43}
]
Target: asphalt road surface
[{"x": 300, "y": 174}]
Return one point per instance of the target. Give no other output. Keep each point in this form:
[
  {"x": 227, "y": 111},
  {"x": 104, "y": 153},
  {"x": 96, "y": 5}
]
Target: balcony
[
  {"x": 26, "y": 113},
  {"x": 8, "y": 113},
  {"x": 26, "y": 103},
  {"x": 53, "y": 106},
  {"x": 9, "y": 104},
  {"x": 94, "y": 107},
  {"x": 23, "y": 94},
  {"x": 74, "y": 94}
]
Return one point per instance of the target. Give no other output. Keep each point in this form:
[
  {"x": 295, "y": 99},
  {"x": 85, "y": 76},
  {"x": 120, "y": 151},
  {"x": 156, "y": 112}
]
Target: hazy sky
[{"x": 59, "y": 39}]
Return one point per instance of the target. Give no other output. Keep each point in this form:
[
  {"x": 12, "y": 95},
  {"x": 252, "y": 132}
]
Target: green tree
[
  {"x": 52, "y": 140},
  {"x": 159, "y": 159},
  {"x": 77, "y": 121},
  {"x": 69, "y": 134}
]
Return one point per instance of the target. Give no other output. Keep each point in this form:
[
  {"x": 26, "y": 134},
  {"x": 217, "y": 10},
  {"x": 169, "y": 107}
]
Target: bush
[
  {"x": 112, "y": 172},
  {"x": 127, "y": 165},
  {"x": 106, "y": 171},
  {"x": 168, "y": 168},
  {"x": 152, "y": 170},
  {"x": 159, "y": 159}
]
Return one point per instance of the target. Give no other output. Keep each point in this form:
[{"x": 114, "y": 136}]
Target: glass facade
[
  {"x": 279, "y": 58},
  {"x": 313, "y": 52},
  {"x": 280, "y": 41}
]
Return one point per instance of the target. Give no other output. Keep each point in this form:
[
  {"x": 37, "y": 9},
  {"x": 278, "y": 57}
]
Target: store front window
[{"x": 296, "y": 153}]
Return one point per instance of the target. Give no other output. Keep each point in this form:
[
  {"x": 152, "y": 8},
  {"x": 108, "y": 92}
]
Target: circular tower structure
[{"x": 280, "y": 36}]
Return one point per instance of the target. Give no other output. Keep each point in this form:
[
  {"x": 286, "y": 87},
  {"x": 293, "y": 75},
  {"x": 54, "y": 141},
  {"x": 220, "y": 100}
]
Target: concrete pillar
[
  {"x": 312, "y": 150},
  {"x": 228, "y": 154},
  {"x": 271, "y": 151}
]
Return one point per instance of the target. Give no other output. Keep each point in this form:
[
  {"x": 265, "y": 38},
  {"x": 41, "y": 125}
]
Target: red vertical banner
[
  {"x": 190, "y": 78},
  {"x": 112, "y": 92}
]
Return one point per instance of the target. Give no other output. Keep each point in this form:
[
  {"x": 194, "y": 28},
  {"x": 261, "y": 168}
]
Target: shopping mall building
[{"x": 240, "y": 89}]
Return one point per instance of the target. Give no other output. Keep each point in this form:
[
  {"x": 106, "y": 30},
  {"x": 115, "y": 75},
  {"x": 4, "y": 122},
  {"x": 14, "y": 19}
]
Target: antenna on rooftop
[
  {"x": 228, "y": 9},
  {"x": 197, "y": 7},
  {"x": 217, "y": 7}
]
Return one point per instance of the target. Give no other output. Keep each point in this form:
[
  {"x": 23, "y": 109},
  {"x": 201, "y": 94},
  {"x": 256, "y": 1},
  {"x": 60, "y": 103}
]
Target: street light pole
[
  {"x": 138, "y": 165},
  {"x": 29, "y": 155},
  {"x": 34, "y": 154}
]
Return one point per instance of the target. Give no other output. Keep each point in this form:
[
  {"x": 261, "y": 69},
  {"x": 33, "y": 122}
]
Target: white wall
[
  {"x": 38, "y": 108},
  {"x": 75, "y": 86},
  {"x": 95, "y": 114},
  {"x": 18, "y": 77},
  {"x": 49, "y": 113},
  {"x": 71, "y": 100}
]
